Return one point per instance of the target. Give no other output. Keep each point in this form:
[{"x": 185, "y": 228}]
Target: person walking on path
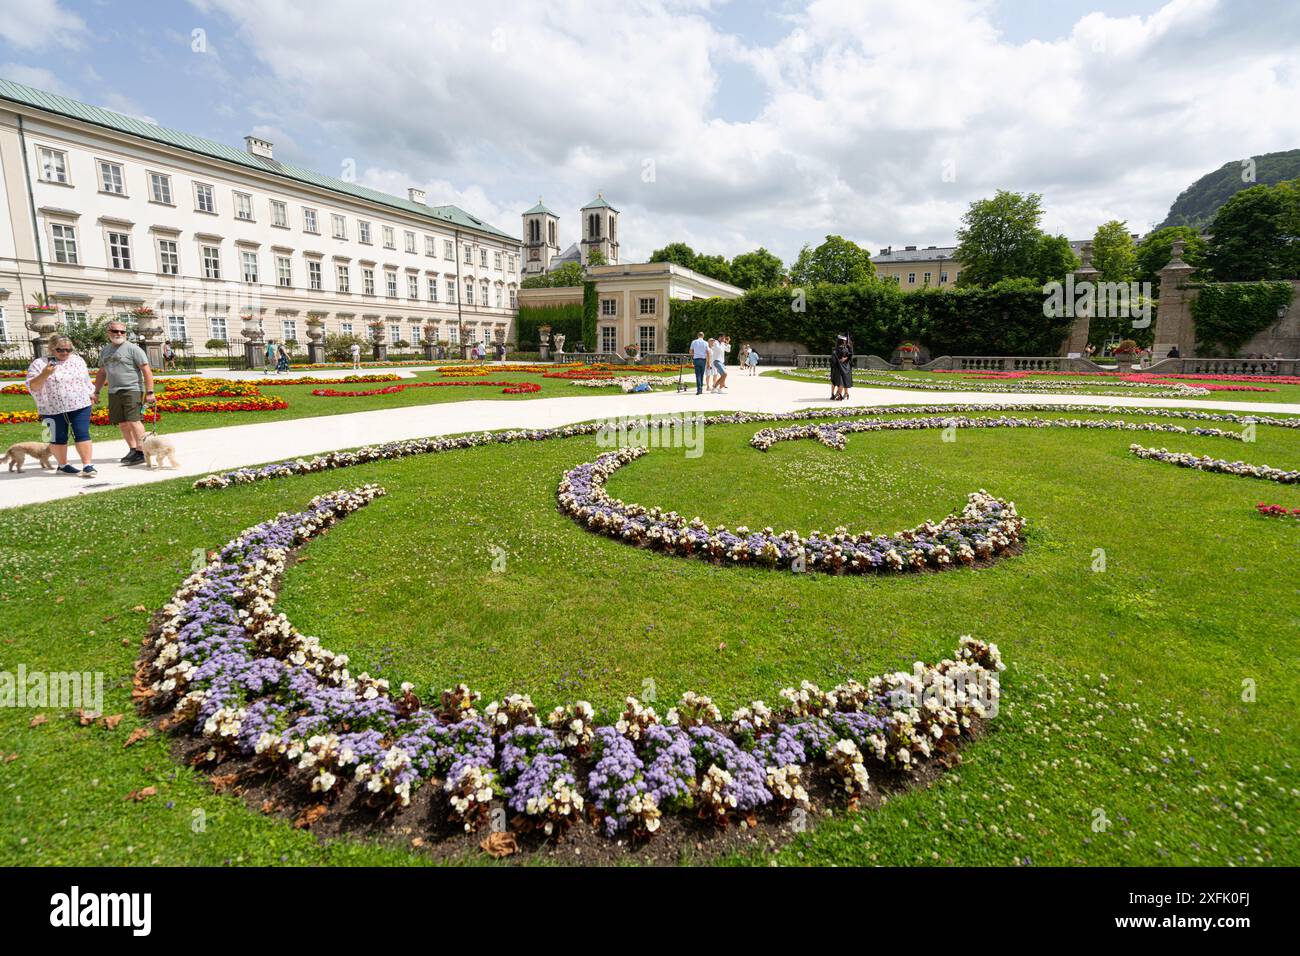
[
  {"x": 699, "y": 358},
  {"x": 270, "y": 356},
  {"x": 124, "y": 367},
  {"x": 719, "y": 359},
  {"x": 60, "y": 386},
  {"x": 751, "y": 360},
  {"x": 841, "y": 369},
  {"x": 355, "y": 349},
  {"x": 281, "y": 360}
]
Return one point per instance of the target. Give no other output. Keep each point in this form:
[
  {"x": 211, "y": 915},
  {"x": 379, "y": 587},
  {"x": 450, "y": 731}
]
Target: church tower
[
  {"x": 600, "y": 230},
  {"x": 541, "y": 239}
]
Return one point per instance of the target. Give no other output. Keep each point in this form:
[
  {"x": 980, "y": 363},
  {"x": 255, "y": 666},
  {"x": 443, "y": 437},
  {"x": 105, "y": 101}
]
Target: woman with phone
[{"x": 61, "y": 387}]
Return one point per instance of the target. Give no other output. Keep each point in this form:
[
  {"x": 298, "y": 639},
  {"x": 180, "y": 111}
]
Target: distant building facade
[
  {"x": 103, "y": 213},
  {"x": 634, "y": 302},
  {"x": 911, "y": 268}
]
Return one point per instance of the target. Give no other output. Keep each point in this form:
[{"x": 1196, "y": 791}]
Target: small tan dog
[
  {"x": 20, "y": 452},
  {"x": 156, "y": 450}
]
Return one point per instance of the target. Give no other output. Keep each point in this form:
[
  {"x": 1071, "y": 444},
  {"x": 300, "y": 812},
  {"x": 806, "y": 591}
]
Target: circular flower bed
[
  {"x": 985, "y": 528},
  {"x": 832, "y": 434},
  {"x": 1219, "y": 465},
  {"x": 427, "y": 446},
  {"x": 222, "y": 665}
]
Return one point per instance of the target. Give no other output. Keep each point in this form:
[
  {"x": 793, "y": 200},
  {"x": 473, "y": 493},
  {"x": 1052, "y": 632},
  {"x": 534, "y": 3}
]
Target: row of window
[
  {"x": 178, "y": 328},
  {"x": 63, "y": 240},
  {"x": 112, "y": 179},
  {"x": 925, "y": 279},
  {"x": 645, "y": 334},
  {"x": 645, "y": 306}
]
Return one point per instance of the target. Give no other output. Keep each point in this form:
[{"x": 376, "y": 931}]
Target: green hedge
[
  {"x": 1004, "y": 319},
  {"x": 564, "y": 319},
  {"x": 1230, "y": 314},
  {"x": 589, "y": 305}
]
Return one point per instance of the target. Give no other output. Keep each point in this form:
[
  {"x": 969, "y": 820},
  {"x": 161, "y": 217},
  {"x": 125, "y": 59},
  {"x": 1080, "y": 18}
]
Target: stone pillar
[
  {"x": 1077, "y": 340},
  {"x": 1174, "y": 325}
]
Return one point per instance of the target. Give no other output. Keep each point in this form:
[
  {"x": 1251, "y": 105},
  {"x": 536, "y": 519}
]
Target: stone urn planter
[
  {"x": 252, "y": 334},
  {"x": 149, "y": 327},
  {"x": 42, "y": 320},
  {"x": 316, "y": 335},
  {"x": 378, "y": 347}
]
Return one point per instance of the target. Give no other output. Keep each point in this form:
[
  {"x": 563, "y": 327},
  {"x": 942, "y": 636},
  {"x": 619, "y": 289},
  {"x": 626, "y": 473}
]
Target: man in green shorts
[{"x": 125, "y": 367}]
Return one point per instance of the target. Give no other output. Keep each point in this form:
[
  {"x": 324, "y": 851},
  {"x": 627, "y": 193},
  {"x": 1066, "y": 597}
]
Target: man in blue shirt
[{"x": 700, "y": 356}]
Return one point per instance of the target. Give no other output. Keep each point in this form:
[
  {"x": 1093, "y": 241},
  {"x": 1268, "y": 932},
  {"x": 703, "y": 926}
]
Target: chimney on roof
[
  {"x": 909, "y": 248},
  {"x": 415, "y": 195},
  {"x": 258, "y": 147},
  {"x": 887, "y": 250}
]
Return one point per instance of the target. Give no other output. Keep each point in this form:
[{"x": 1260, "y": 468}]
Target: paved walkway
[{"x": 219, "y": 449}]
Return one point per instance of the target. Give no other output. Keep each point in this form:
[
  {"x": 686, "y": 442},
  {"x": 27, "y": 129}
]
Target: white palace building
[{"x": 101, "y": 213}]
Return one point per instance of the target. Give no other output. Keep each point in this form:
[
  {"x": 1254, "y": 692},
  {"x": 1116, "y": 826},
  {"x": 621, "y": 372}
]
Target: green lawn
[
  {"x": 951, "y": 381},
  {"x": 1199, "y": 594},
  {"x": 303, "y": 404}
]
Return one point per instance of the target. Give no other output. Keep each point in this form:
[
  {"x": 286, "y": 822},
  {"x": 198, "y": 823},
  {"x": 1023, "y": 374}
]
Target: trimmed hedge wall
[
  {"x": 1230, "y": 314},
  {"x": 589, "y": 306},
  {"x": 565, "y": 319},
  {"x": 1004, "y": 319},
  {"x": 576, "y": 322}
]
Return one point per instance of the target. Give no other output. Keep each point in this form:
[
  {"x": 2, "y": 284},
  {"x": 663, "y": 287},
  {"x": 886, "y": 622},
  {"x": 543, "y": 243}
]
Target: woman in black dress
[{"x": 841, "y": 369}]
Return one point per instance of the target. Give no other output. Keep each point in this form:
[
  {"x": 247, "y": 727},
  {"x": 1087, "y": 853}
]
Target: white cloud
[
  {"x": 40, "y": 24},
  {"x": 38, "y": 77},
  {"x": 863, "y": 105}
]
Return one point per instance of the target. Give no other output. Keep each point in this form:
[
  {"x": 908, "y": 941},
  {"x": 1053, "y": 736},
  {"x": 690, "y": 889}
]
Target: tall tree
[
  {"x": 837, "y": 261},
  {"x": 1154, "y": 251},
  {"x": 569, "y": 274},
  {"x": 1053, "y": 258},
  {"x": 715, "y": 267},
  {"x": 1000, "y": 238},
  {"x": 759, "y": 269},
  {"x": 678, "y": 252},
  {"x": 1113, "y": 253},
  {"x": 1256, "y": 234}
]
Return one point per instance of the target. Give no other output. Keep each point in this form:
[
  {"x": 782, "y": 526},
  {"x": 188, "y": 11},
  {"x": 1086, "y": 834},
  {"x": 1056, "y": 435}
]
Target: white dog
[{"x": 157, "y": 449}]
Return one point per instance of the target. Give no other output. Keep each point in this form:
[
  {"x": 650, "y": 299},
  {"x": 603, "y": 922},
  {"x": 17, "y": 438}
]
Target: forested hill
[{"x": 1197, "y": 204}]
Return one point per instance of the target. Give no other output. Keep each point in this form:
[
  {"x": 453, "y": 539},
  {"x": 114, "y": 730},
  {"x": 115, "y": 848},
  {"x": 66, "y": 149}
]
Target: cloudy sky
[{"x": 728, "y": 125}]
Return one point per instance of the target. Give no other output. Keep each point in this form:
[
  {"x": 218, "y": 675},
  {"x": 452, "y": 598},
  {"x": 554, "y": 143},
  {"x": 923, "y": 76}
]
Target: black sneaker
[
  {"x": 67, "y": 470},
  {"x": 127, "y": 457},
  {"x": 89, "y": 472},
  {"x": 135, "y": 458}
]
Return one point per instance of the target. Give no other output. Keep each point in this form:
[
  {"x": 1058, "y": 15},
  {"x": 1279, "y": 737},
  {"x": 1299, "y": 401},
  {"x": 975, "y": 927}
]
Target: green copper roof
[
  {"x": 539, "y": 208},
  {"x": 63, "y": 106},
  {"x": 599, "y": 203}
]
